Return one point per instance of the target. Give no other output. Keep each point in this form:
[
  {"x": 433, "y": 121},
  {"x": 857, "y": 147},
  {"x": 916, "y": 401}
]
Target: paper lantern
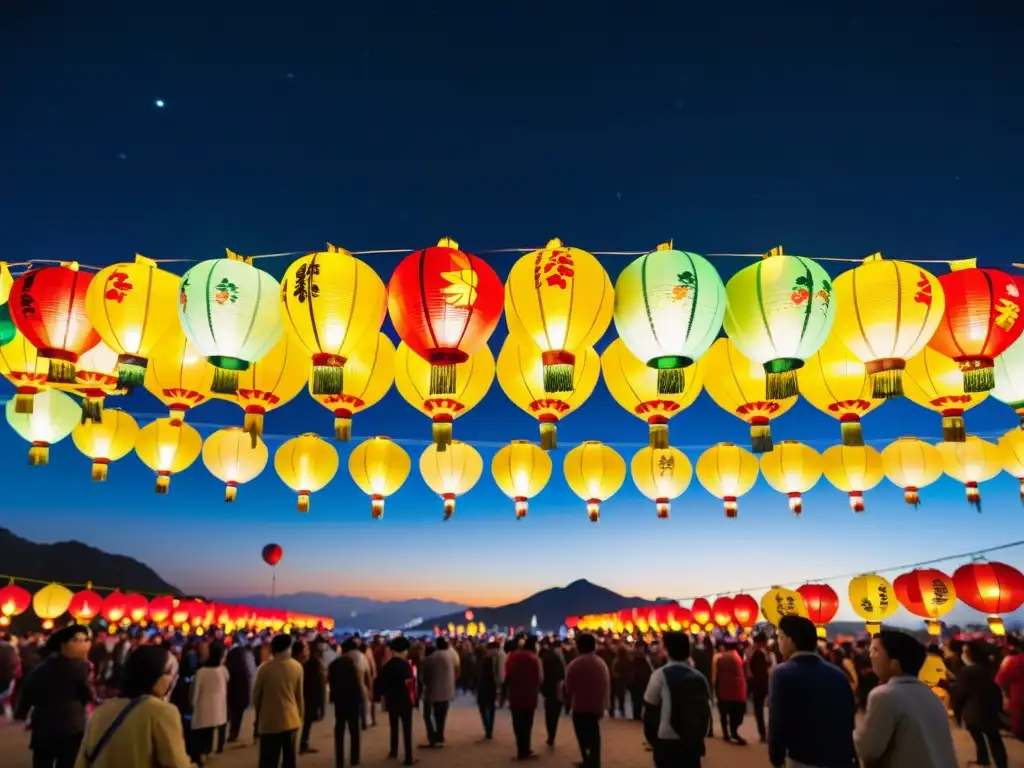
[
  {"x": 106, "y": 441},
  {"x": 306, "y": 464},
  {"x": 54, "y": 416},
  {"x": 1008, "y": 372},
  {"x": 594, "y": 472},
  {"x": 132, "y": 307},
  {"x": 444, "y": 304},
  {"x": 369, "y": 373},
  {"x": 792, "y": 468},
  {"x": 669, "y": 307},
  {"x": 270, "y": 382},
  {"x": 886, "y": 313},
  {"x": 1011, "y": 449},
  {"x": 178, "y": 375},
  {"x": 160, "y": 609},
  {"x": 837, "y": 384},
  {"x": 872, "y": 598},
  {"x": 562, "y": 300},
  {"x": 634, "y": 386},
  {"x": 472, "y": 380},
  {"x": 379, "y": 467},
  {"x": 85, "y": 606},
  {"x": 661, "y": 474},
  {"x": 520, "y": 371},
  {"x": 95, "y": 378},
  {"x": 700, "y": 610},
  {"x": 928, "y": 593},
  {"x": 779, "y": 312},
  {"x": 452, "y": 472},
  {"x": 981, "y": 320},
  {"x": 722, "y": 611},
  {"x": 745, "y": 610},
  {"x": 47, "y": 307},
  {"x": 52, "y": 601},
  {"x": 21, "y": 365},
  {"x": 115, "y": 607},
  {"x": 727, "y": 472},
  {"x": 14, "y": 600},
  {"x": 778, "y": 602},
  {"x": 230, "y": 456},
  {"x": 231, "y": 313},
  {"x": 167, "y": 448},
  {"x": 334, "y": 303},
  {"x": 853, "y": 469},
  {"x": 737, "y": 387},
  {"x": 911, "y": 464},
  {"x": 822, "y": 604},
  {"x": 933, "y": 381},
  {"x": 6, "y": 281},
  {"x": 992, "y": 588},
  {"x": 971, "y": 462},
  {"x": 136, "y": 607},
  {"x": 521, "y": 470}
]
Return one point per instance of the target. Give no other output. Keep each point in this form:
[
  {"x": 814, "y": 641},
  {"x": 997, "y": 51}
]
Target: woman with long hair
[{"x": 978, "y": 703}]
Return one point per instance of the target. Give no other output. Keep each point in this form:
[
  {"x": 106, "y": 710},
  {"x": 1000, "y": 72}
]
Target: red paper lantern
[
  {"x": 444, "y": 304},
  {"x": 722, "y": 611},
  {"x": 701, "y": 612},
  {"x": 928, "y": 593},
  {"x": 160, "y": 609},
  {"x": 822, "y": 604},
  {"x": 136, "y": 607},
  {"x": 14, "y": 600},
  {"x": 746, "y": 610},
  {"x": 980, "y": 322},
  {"x": 85, "y": 606},
  {"x": 181, "y": 613},
  {"x": 992, "y": 588},
  {"x": 115, "y": 607},
  {"x": 684, "y": 617},
  {"x": 468, "y": 614},
  {"x": 48, "y": 307}
]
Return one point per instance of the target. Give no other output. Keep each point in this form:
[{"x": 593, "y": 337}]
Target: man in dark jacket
[
  {"x": 642, "y": 670},
  {"x": 554, "y": 674},
  {"x": 239, "y": 686},
  {"x": 487, "y": 688},
  {"x": 347, "y": 695},
  {"x": 677, "y": 708},
  {"x": 524, "y": 675},
  {"x": 759, "y": 664},
  {"x": 397, "y": 687},
  {"x": 314, "y": 693}
]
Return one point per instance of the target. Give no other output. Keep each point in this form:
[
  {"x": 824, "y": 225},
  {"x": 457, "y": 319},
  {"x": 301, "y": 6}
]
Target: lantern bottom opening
[
  {"x": 548, "y": 435},
  {"x": 657, "y": 435}
]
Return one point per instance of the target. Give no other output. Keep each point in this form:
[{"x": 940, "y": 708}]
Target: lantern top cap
[
  {"x": 776, "y": 251},
  {"x": 553, "y": 243},
  {"x": 665, "y": 246},
  {"x": 447, "y": 242},
  {"x": 962, "y": 264},
  {"x": 72, "y": 265},
  {"x": 332, "y": 248},
  {"x": 521, "y": 442},
  {"x": 146, "y": 262},
  {"x": 877, "y": 256},
  {"x": 232, "y": 256}
]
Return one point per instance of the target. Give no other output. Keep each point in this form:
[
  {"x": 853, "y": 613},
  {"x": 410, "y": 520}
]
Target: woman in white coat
[{"x": 209, "y": 705}]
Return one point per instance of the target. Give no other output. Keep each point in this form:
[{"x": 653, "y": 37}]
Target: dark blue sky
[{"x": 505, "y": 124}]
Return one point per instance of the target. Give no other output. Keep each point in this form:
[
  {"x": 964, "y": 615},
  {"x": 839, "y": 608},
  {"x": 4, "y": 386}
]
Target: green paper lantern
[
  {"x": 7, "y": 329},
  {"x": 54, "y": 416}
]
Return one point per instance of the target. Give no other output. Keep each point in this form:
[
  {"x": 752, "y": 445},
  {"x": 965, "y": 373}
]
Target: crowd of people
[{"x": 157, "y": 698}]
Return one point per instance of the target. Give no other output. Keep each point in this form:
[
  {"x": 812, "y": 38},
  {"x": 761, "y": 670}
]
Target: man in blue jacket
[{"x": 811, "y": 704}]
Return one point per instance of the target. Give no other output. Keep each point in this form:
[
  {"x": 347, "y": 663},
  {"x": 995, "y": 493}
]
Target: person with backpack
[{"x": 677, "y": 708}]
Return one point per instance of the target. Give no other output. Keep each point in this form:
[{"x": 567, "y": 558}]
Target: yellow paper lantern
[
  {"x": 21, "y": 365},
  {"x": 132, "y": 306},
  {"x": 106, "y": 441},
  {"x": 520, "y": 372},
  {"x": 178, "y": 375},
  {"x": 792, "y": 468},
  {"x": 452, "y": 472},
  {"x": 727, "y": 472},
  {"x": 873, "y": 599},
  {"x": 779, "y": 601},
  {"x": 594, "y": 472},
  {"x": 334, "y": 303},
  {"x": 379, "y": 466},
  {"x": 971, "y": 462},
  {"x": 167, "y": 448},
  {"x": 886, "y": 311},
  {"x": 230, "y": 456},
  {"x": 6, "y": 281},
  {"x": 1011, "y": 449},
  {"x": 369, "y": 373},
  {"x": 472, "y": 380},
  {"x": 95, "y": 378},
  {"x": 837, "y": 384},
  {"x": 911, "y": 464},
  {"x": 52, "y": 601},
  {"x": 935, "y": 382},
  {"x": 521, "y": 470},
  {"x": 853, "y": 469},
  {"x": 634, "y": 386},
  {"x": 53, "y": 417},
  {"x": 306, "y": 464},
  {"x": 562, "y": 300},
  {"x": 737, "y": 387},
  {"x": 661, "y": 474}
]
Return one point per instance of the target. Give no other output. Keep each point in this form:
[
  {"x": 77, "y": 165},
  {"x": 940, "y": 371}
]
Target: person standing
[
  {"x": 209, "y": 705},
  {"x": 704, "y": 662},
  {"x": 487, "y": 688},
  {"x": 438, "y": 675},
  {"x": 314, "y": 693},
  {"x": 731, "y": 691},
  {"x": 977, "y": 703},
  {"x": 759, "y": 663},
  {"x": 397, "y": 687},
  {"x": 551, "y": 689},
  {"x": 278, "y": 699},
  {"x": 587, "y": 693},
  {"x": 642, "y": 670},
  {"x": 1011, "y": 679},
  {"x": 677, "y": 707},
  {"x": 241, "y": 669},
  {"x": 348, "y": 694},
  {"x": 523, "y": 677}
]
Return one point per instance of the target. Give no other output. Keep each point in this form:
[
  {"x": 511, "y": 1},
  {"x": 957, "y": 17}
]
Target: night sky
[{"x": 504, "y": 125}]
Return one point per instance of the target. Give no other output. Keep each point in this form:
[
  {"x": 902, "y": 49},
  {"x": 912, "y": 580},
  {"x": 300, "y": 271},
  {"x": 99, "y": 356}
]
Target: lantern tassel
[
  {"x": 442, "y": 378},
  {"x": 912, "y": 496},
  {"x": 934, "y": 627},
  {"x": 558, "y": 377},
  {"x": 328, "y": 379},
  {"x": 732, "y": 507},
  {"x": 979, "y": 379},
  {"x": 822, "y": 632},
  {"x": 24, "y": 402},
  {"x": 778, "y": 385},
  {"x": 39, "y": 455},
  {"x": 377, "y": 507},
  {"x": 521, "y": 507},
  {"x": 253, "y": 425},
  {"x": 671, "y": 381},
  {"x": 873, "y": 628},
  {"x": 662, "y": 507},
  {"x": 761, "y": 437},
  {"x": 442, "y": 433},
  {"x": 995, "y": 626},
  {"x": 224, "y": 382},
  {"x": 974, "y": 496},
  {"x": 953, "y": 429},
  {"x": 163, "y": 484},
  {"x": 131, "y": 371},
  {"x": 857, "y": 501},
  {"x": 230, "y": 492},
  {"x": 449, "y": 505},
  {"x": 852, "y": 433},
  {"x": 61, "y": 372},
  {"x": 303, "y": 501},
  {"x": 796, "y": 503},
  {"x": 594, "y": 510},
  {"x": 657, "y": 436},
  {"x": 548, "y": 436},
  {"x": 92, "y": 410},
  {"x": 887, "y": 384},
  {"x": 342, "y": 427},
  {"x": 99, "y": 470}
]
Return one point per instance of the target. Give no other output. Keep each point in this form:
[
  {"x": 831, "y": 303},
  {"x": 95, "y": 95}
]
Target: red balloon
[
  {"x": 722, "y": 611},
  {"x": 272, "y": 554},
  {"x": 822, "y": 602},
  {"x": 115, "y": 607},
  {"x": 992, "y": 588},
  {"x": 701, "y": 611},
  {"x": 85, "y": 605},
  {"x": 746, "y": 610},
  {"x": 14, "y": 600}
]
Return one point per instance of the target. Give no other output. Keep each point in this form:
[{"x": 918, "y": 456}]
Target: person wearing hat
[{"x": 56, "y": 694}]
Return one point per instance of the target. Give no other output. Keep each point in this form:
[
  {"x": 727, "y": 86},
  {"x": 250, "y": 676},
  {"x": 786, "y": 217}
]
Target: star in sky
[{"x": 160, "y": 103}]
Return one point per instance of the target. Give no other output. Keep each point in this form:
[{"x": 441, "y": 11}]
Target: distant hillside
[{"x": 354, "y": 612}]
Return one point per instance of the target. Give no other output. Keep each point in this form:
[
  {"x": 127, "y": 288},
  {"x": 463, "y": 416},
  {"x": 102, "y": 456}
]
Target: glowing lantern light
[
  {"x": 1011, "y": 449},
  {"x": 669, "y": 306},
  {"x": 231, "y": 312},
  {"x": 167, "y": 448},
  {"x": 837, "y": 384},
  {"x": 778, "y": 602},
  {"x": 95, "y": 378},
  {"x": 700, "y": 610},
  {"x": 452, "y": 472},
  {"x": 872, "y": 598},
  {"x": 53, "y": 418},
  {"x": 992, "y": 588},
  {"x": 521, "y": 470},
  {"x": 661, "y": 474},
  {"x": 981, "y": 320},
  {"x": 115, "y": 607},
  {"x": 334, "y": 303},
  {"x": 6, "y": 281},
  {"x": 745, "y": 610},
  {"x": 562, "y": 300},
  {"x": 369, "y": 373},
  {"x": 21, "y": 365},
  {"x": 85, "y": 605},
  {"x": 594, "y": 472},
  {"x": 911, "y": 464},
  {"x": 727, "y": 472},
  {"x": 722, "y": 611},
  {"x": 131, "y": 306},
  {"x": 230, "y": 456},
  {"x": 933, "y": 381},
  {"x": 379, "y": 467},
  {"x": 822, "y": 604},
  {"x": 634, "y": 386},
  {"x": 970, "y": 463},
  {"x": 52, "y": 601},
  {"x": 14, "y": 600},
  {"x": 445, "y": 304},
  {"x": 306, "y": 464},
  {"x": 737, "y": 387},
  {"x": 47, "y": 307},
  {"x": 136, "y": 608},
  {"x": 106, "y": 441},
  {"x": 928, "y": 593},
  {"x": 853, "y": 469},
  {"x": 178, "y": 375},
  {"x": 160, "y": 609},
  {"x": 270, "y": 382},
  {"x": 1008, "y": 370},
  {"x": 792, "y": 468},
  {"x": 520, "y": 372}
]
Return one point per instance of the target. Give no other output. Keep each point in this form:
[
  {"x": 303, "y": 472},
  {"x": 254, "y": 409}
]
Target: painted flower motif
[
  {"x": 804, "y": 290},
  {"x": 182, "y": 296},
  {"x": 686, "y": 283},
  {"x": 118, "y": 286},
  {"x": 462, "y": 282},
  {"x": 225, "y": 291},
  {"x": 554, "y": 268},
  {"x": 924, "y": 293},
  {"x": 1011, "y": 290}
]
